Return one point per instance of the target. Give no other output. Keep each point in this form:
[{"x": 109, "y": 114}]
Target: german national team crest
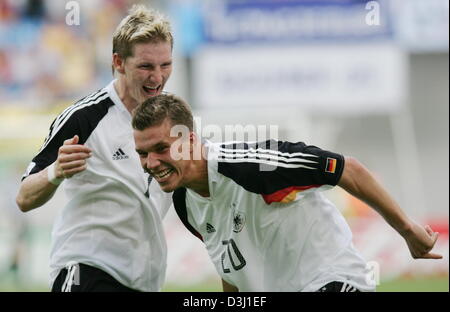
[{"x": 238, "y": 221}]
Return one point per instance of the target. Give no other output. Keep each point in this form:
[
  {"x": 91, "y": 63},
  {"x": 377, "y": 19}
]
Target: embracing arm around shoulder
[{"x": 358, "y": 181}]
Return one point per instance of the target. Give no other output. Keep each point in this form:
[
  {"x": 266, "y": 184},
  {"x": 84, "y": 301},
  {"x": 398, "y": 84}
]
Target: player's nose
[
  {"x": 152, "y": 161},
  {"x": 156, "y": 76}
]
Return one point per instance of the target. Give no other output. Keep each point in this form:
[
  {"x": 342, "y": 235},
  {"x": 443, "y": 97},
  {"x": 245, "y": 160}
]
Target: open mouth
[
  {"x": 151, "y": 91},
  {"x": 163, "y": 175}
]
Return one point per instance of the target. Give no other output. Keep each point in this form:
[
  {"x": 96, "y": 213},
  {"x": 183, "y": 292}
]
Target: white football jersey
[
  {"x": 112, "y": 219},
  {"x": 266, "y": 225}
]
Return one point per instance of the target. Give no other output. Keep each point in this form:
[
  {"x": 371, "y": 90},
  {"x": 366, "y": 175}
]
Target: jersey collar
[{"x": 115, "y": 97}]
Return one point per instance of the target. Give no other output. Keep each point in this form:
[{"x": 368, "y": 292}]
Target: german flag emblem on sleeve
[{"x": 331, "y": 165}]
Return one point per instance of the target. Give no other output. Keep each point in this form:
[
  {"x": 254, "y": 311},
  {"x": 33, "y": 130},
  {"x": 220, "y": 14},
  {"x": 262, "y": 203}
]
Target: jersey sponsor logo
[
  {"x": 119, "y": 154},
  {"x": 210, "y": 228},
  {"x": 331, "y": 165},
  {"x": 238, "y": 221}
]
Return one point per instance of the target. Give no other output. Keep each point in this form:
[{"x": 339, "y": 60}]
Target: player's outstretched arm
[
  {"x": 228, "y": 287},
  {"x": 37, "y": 189},
  {"x": 359, "y": 182}
]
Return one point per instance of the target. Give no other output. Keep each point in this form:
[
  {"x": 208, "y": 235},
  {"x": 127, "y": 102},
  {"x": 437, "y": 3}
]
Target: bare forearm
[
  {"x": 35, "y": 191},
  {"x": 359, "y": 182}
]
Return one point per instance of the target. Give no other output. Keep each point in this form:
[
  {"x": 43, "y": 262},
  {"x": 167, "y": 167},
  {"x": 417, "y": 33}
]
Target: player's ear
[
  {"x": 118, "y": 63},
  {"x": 192, "y": 138},
  {"x": 196, "y": 149}
]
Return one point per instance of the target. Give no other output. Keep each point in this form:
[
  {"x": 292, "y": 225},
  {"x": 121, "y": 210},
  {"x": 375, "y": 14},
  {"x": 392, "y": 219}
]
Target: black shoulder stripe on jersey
[
  {"x": 82, "y": 121},
  {"x": 179, "y": 202},
  {"x": 88, "y": 99},
  {"x": 270, "y": 166},
  {"x": 61, "y": 119},
  {"x": 268, "y": 157}
]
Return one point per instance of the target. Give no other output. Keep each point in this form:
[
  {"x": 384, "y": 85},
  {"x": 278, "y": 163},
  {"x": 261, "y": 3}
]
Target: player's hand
[
  {"x": 421, "y": 240},
  {"x": 71, "y": 158}
]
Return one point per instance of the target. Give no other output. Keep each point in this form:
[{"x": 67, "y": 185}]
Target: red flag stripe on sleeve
[{"x": 278, "y": 196}]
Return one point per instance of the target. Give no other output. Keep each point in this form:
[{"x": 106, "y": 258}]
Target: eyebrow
[
  {"x": 154, "y": 147},
  {"x": 142, "y": 63},
  {"x": 140, "y": 151},
  {"x": 160, "y": 144}
]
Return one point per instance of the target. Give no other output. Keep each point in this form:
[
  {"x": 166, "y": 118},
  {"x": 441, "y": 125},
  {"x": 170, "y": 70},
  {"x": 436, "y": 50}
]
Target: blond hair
[{"x": 141, "y": 25}]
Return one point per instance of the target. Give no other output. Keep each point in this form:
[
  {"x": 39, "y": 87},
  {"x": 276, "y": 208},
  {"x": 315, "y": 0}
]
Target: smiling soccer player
[{"x": 258, "y": 206}]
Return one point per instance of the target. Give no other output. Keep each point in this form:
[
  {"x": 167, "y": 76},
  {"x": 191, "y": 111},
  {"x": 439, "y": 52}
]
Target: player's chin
[
  {"x": 168, "y": 188},
  {"x": 168, "y": 185}
]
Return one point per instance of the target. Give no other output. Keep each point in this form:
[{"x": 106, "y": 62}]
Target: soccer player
[
  {"x": 109, "y": 236},
  {"x": 258, "y": 207}
]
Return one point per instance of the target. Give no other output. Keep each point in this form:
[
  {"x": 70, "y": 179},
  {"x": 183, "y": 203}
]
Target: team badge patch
[
  {"x": 331, "y": 165},
  {"x": 238, "y": 221}
]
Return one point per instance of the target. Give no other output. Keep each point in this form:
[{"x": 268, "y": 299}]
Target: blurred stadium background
[{"x": 365, "y": 78}]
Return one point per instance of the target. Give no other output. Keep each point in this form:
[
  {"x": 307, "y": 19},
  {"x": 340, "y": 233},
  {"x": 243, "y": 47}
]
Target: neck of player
[
  {"x": 198, "y": 171},
  {"x": 126, "y": 99}
]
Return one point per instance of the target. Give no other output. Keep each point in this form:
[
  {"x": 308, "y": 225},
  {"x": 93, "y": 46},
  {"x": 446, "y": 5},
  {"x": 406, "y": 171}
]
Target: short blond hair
[{"x": 140, "y": 25}]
